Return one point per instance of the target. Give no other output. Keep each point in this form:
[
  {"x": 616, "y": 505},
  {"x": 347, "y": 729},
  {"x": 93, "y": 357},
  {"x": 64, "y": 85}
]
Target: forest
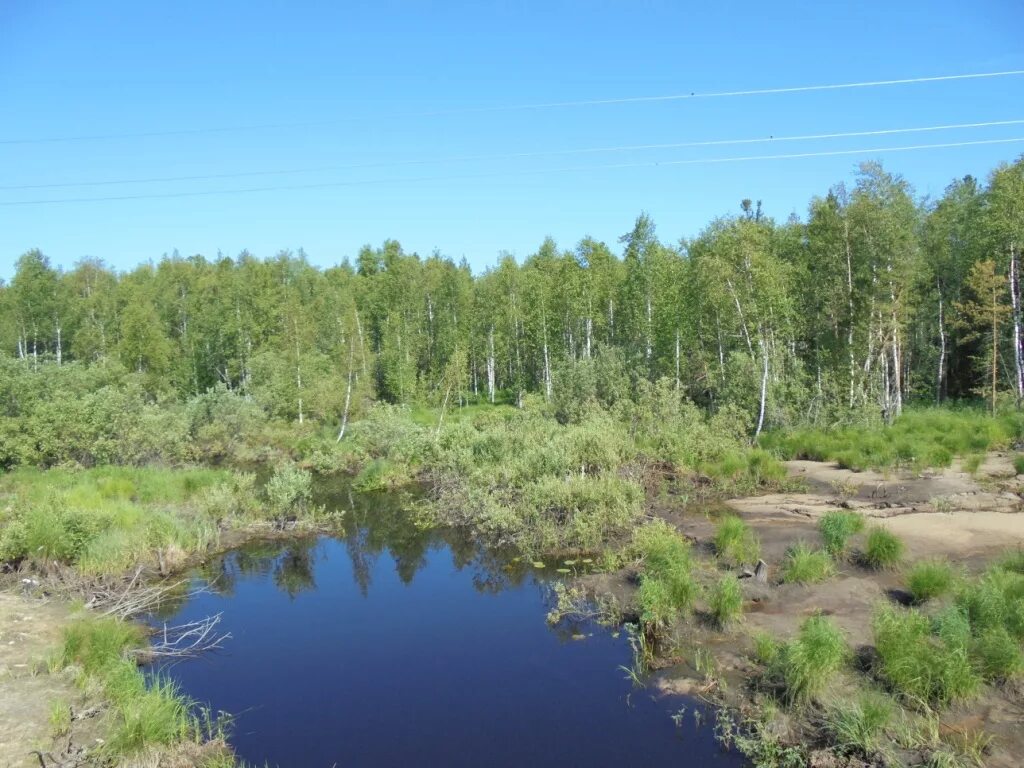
[
  {"x": 641, "y": 436},
  {"x": 874, "y": 299}
]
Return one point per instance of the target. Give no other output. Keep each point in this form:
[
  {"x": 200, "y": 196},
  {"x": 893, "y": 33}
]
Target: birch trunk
[
  {"x": 490, "y": 364},
  {"x": 1018, "y": 355},
  {"x": 940, "y": 374}
]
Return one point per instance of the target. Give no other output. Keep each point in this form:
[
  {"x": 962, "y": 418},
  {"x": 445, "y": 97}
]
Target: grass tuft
[
  {"x": 883, "y": 551},
  {"x": 726, "y": 601},
  {"x": 929, "y": 579},
  {"x": 837, "y": 527},
  {"x": 804, "y": 565},
  {"x": 859, "y": 726},
  {"x": 736, "y": 542},
  {"x": 808, "y": 664}
]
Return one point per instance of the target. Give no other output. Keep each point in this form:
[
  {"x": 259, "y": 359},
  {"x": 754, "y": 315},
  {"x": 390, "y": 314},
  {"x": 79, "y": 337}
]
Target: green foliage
[
  {"x": 883, "y": 550},
  {"x": 736, "y": 542},
  {"x": 920, "y": 438},
  {"x": 1018, "y": 463},
  {"x": 667, "y": 587},
  {"x": 859, "y": 726},
  {"x": 804, "y": 565},
  {"x": 837, "y": 527},
  {"x": 923, "y": 666},
  {"x": 289, "y": 490},
  {"x": 109, "y": 520},
  {"x": 806, "y": 665},
  {"x": 929, "y": 579},
  {"x": 100, "y": 650},
  {"x": 726, "y": 601}
]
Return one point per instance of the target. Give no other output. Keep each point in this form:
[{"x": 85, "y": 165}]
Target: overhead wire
[
  {"x": 523, "y": 107},
  {"x": 537, "y": 171},
  {"x": 514, "y": 156}
]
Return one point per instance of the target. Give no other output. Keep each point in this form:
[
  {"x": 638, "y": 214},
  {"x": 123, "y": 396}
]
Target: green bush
[
  {"x": 1018, "y": 463},
  {"x": 667, "y": 587},
  {"x": 883, "y": 550},
  {"x": 289, "y": 490},
  {"x": 726, "y": 601},
  {"x": 736, "y": 542},
  {"x": 803, "y": 565},
  {"x": 929, "y": 579},
  {"x": 997, "y": 655},
  {"x": 836, "y": 528},
  {"x": 808, "y": 664},
  {"x": 920, "y": 665}
]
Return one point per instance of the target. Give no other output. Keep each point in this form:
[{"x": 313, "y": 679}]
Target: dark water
[{"x": 394, "y": 647}]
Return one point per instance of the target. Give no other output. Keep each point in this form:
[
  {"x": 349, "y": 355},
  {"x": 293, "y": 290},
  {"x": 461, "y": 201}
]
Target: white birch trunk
[{"x": 490, "y": 365}]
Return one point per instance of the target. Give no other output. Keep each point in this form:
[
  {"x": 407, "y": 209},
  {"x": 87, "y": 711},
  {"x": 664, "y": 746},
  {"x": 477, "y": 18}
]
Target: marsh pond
[{"x": 386, "y": 645}]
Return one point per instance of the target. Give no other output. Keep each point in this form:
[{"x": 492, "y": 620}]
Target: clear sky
[{"x": 399, "y": 89}]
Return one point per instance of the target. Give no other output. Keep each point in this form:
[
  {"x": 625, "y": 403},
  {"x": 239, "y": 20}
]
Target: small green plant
[
  {"x": 836, "y": 528},
  {"x": 997, "y": 655},
  {"x": 859, "y": 726},
  {"x": 766, "y": 648},
  {"x": 884, "y": 549},
  {"x": 929, "y": 579},
  {"x": 972, "y": 463},
  {"x": 804, "y": 565},
  {"x": 1018, "y": 463},
  {"x": 726, "y": 601},
  {"x": 806, "y": 665},
  {"x": 60, "y": 717},
  {"x": 289, "y": 489},
  {"x": 736, "y": 542}
]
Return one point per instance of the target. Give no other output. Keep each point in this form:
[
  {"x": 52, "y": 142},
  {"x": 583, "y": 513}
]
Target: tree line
[{"x": 873, "y": 299}]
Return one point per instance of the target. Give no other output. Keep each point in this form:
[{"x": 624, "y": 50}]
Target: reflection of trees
[{"x": 293, "y": 572}]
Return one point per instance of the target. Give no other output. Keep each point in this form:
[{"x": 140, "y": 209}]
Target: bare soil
[{"x": 30, "y": 630}]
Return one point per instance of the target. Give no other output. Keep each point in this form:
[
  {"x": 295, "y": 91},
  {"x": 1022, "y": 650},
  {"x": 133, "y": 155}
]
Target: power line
[
  {"x": 524, "y": 107},
  {"x": 539, "y": 171},
  {"x": 517, "y": 155}
]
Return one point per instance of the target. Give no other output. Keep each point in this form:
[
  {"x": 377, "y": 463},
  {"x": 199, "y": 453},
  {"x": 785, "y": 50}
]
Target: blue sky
[{"x": 327, "y": 86}]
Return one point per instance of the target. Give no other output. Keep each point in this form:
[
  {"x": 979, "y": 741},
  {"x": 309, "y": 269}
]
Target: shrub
[
  {"x": 726, "y": 601},
  {"x": 995, "y": 600},
  {"x": 804, "y": 565},
  {"x": 929, "y": 579},
  {"x": 883, "y": 550},
  {"x": 289, "y": 489},
  {"x": 809, "y": 663},
  {"x": 657, "y": 609},
  {"x": 667, "y": 586},
  {"x": 918, "y": 664},
  {"x": 735, "y": 542},
  {"x": 836, "y": 528}
]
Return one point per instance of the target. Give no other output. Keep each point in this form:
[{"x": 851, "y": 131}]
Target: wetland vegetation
[{"x": 800, "y": 494}]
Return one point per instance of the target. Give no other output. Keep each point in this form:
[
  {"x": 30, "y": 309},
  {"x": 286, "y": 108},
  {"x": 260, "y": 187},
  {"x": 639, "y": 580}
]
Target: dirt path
[{"x": 29, "y": 631}]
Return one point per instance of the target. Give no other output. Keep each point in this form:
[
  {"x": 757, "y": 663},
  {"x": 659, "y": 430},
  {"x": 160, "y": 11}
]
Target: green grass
[
  {"x": 726, "y": 601},
  {"x": 144, "y": 715},
  {"x": 667, "y": 586},
  {"x": 921, "y": 665},
  {"x": 858, "y": 726},
  {"x": 1013, "y": 561},
  {"x": 929, "y": 579},
  {"x": 883, "y": 550},
  {"x": 803, "y": 565},
  {"x": 837, "y": 527},
  {"x": 735, "y": 542},
  {"x": 920, "y": 438},
  {"x": 1018, "y": 463},
  {"x": 806, "y": 665}
]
